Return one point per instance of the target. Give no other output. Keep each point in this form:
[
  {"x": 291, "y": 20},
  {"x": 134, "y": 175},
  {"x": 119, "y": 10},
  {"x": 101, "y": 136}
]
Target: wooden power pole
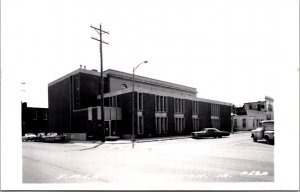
[{"x": 101, "y": 86}]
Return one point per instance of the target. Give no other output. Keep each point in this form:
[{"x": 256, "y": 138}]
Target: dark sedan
[{"x": 209, "y": 132}]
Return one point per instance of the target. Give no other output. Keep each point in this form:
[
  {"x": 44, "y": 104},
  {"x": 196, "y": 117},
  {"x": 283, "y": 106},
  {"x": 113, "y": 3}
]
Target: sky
[{"x": 232, "y": 51}]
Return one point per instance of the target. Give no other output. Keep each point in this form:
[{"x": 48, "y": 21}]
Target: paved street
[{"x": 229, "y": 159}]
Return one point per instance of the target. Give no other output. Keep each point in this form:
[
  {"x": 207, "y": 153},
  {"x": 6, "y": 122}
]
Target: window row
[
  {"x": 112, "y": 101},
  {"x": 161, "y": 103},
  {"x": 179, "y": 124},
  {"x": 140, "y": 125},
  {"x": 215, "y": 109},
  {"x": 196, "y": 107},
  {"x": 195, "y": 124},
  {"x": 215, "y": 123},
  {"x": 161, "y": 124},
  {"x": 179, "y": 105},
  {"x": 34, "y": 114}
]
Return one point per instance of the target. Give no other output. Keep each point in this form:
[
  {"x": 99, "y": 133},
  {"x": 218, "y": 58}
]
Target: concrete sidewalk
[
  {"x": 128, "y": 141},
  {"x": 143, "y": 140}
]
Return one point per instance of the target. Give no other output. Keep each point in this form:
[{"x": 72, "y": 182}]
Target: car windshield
[
  {"x": 269, "y": 126},
  {"x": 211, "y": 129},
  {"x": 52, "y": 134}
]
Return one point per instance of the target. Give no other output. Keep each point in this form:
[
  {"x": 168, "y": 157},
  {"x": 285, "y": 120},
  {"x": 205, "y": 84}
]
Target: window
[
  {"x": 34, "y": 114},
  {"x": 161, "y": 125},
  {"x": 161, "y": 103},
  {"x": 158, "y": 125},
  {"x": 112, "y": 101},
  {"x": 250, "y": 106},
  {"x": 140, "y": 101},
  {"x": 179, "y": 124},
  {"x": 179, "y": 105},
  {"x": 195, "y": 108},
  {"x": 270, "y": 107},
  {"x": 235, "y": 123},
  {"x": 45, "y": 115},
  {"x": 215, "y": 123},
  {"x": 195, "y": 124},
  {"x": 140, "y": 125},
  {"x": 215, "y": 109},
  {"x": 244, "y": 123}
]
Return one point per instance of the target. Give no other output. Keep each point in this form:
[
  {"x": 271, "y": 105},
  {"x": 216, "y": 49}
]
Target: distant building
[
  {"x": 162, "y": 108},
  {"x": 34, "y": 119},
  {"x": 249, "y": 116}
]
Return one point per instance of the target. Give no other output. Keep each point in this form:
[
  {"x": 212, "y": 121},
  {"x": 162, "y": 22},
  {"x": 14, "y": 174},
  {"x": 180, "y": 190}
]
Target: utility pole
[{"x": 100, "y": 31}]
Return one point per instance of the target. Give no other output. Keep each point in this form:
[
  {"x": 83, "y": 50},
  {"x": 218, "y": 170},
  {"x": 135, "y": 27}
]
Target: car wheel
[
  {"x": 254, "y": 139},
  {"x": 199, "y": 137},
  {"x": 268, "y": 140},
  {"x": 220, "y": 136}
]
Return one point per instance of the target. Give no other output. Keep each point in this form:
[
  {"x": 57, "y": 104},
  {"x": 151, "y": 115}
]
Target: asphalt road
[{"x": 229, "y": 159}]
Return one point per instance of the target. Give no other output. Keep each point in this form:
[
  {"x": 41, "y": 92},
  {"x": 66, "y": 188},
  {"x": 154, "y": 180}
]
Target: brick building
[
  {"x": 162, "y": 108},
  {"x": 34, "y": 119}
]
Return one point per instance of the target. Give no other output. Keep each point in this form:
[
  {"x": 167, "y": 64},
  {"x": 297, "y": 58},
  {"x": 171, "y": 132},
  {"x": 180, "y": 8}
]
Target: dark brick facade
[
  {"x": 71, "y": 97},
  {"x": 34, "y": 119}
]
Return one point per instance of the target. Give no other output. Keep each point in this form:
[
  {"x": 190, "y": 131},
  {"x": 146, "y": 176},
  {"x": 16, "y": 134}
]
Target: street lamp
[{"x": 133, "y": 111}]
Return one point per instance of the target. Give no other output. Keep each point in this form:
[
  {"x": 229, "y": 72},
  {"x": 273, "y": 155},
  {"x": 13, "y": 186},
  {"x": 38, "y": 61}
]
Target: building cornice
[
  {"x": 162, "y": 93},
  {"x": 150, "y": 81},
  {"x": 80, "y": 70}
]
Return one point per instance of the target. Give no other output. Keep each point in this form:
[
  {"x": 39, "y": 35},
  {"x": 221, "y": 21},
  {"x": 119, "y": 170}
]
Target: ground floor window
[
  {"x": 195, "y": 124},
  {"x": 179, "y": 124},
  {"x": 235, "y": 123},
  {"x": 244, "y": 123},
  {"x": 140, "y": 125},
  {"x": 161, "y": 125},
  {"x": 215, "y": 123}
]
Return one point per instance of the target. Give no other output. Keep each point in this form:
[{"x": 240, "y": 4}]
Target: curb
[{"x": 97, "y": 143}]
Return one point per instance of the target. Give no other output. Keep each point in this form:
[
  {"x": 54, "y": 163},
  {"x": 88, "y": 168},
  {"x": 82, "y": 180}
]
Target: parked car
[
  {"x": 264, "y": 131},
  {"x": 29, "y": 137},
  {"x": 53, "y": 137},
  {"x": 40, "y": 136},
  {"x": 209, "y": 132}
]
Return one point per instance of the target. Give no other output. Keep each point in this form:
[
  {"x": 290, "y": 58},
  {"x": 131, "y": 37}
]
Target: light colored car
[
  {"x": 265, "y": 131},
  {"x": 53, "y": 137},
  {"x": 209, "y": 132},
  {"x": 29, "y": 137},
  {"x": 40, "y": 136}
]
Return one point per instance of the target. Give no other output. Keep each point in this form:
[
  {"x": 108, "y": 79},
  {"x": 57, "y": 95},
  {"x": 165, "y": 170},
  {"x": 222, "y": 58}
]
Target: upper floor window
[
  {"x": 112, "y": 101},
  {"x": 34, "y": 114},
  {"x": 215, "y": 109},
  {"x": 270, "y": 107},
  {"x": 140, "y": 101},
  {"x": 195, "y": 108},
  {"x": 161, "y": 103},
  {"x": 179, "y": 105}
]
